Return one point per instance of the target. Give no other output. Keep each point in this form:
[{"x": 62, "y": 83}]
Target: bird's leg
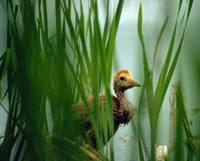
[{"x": 91, "y": 153}]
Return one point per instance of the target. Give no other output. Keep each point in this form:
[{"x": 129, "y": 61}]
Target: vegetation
[
  {"x": 55, "y": 61},
  {"x": 155, "y": 95}
]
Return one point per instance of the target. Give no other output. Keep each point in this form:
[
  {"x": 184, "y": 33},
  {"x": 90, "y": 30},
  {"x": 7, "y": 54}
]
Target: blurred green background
[{"x": 128, "y": 54}]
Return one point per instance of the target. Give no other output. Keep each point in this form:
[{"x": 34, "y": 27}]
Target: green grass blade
[
  {"x": 107, "y": 21},
  {"x": 167, "y": 61},
  {"x": 180, "y": 4},
  {"x": 165, "y": 66},
  {"x": 179, "y": 135},
  {"x": 189, "y": 8},
  {"x": 110, "y": 47},
  {"x": 145, "y": 61},
  {"x": 159, "y": 39}
]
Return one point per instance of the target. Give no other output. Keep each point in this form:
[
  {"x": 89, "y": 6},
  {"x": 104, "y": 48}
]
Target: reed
[
  {"x": 51, "y": 63},
  {"x": 57, "y": 57},
  {"x": 154, "y": 95}
]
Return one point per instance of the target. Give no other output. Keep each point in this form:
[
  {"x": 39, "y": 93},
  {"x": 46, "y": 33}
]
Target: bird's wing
[
  {"x": 80, "y": 110},
  {"x": 81, "y": 116}
]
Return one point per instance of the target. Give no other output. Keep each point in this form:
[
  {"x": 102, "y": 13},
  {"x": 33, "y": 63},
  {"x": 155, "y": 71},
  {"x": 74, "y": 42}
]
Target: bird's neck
[{"x": 119, "y": 92}]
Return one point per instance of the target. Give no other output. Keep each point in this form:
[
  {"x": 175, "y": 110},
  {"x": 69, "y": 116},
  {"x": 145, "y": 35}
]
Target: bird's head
[{"x": 123, "y": 80}]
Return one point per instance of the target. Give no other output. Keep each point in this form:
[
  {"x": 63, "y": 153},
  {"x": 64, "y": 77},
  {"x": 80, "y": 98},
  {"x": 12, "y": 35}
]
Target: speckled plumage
[{"x": 122, "y": 108}]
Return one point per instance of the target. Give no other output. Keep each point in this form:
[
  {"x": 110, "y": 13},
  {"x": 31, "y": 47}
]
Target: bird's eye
[{"x": 122, "y": 78}]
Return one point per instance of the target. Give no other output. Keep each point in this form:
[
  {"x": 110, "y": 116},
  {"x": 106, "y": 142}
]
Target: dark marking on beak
[
  {"x": 136, "y": 84},
  {"x": 131, "y": 83}
]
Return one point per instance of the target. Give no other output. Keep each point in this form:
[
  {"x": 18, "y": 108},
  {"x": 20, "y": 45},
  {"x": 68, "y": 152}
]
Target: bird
[{"x": 122, "y": 109}]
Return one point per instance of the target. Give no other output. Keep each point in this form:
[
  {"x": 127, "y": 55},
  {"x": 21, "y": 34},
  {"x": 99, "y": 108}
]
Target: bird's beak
[
  {"x": 132, "y": 83},
  {"x": 136, "y": 84}
]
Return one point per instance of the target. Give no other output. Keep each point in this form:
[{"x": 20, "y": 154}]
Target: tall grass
[
  {"x": 55, "y": 60},
  {"x": 48, "y": 71},
  {"x": 155, "y": 95}
]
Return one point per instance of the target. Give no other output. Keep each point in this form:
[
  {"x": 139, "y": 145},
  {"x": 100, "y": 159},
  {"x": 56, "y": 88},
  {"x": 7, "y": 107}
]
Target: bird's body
[{"x": 121, "y": 107}]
